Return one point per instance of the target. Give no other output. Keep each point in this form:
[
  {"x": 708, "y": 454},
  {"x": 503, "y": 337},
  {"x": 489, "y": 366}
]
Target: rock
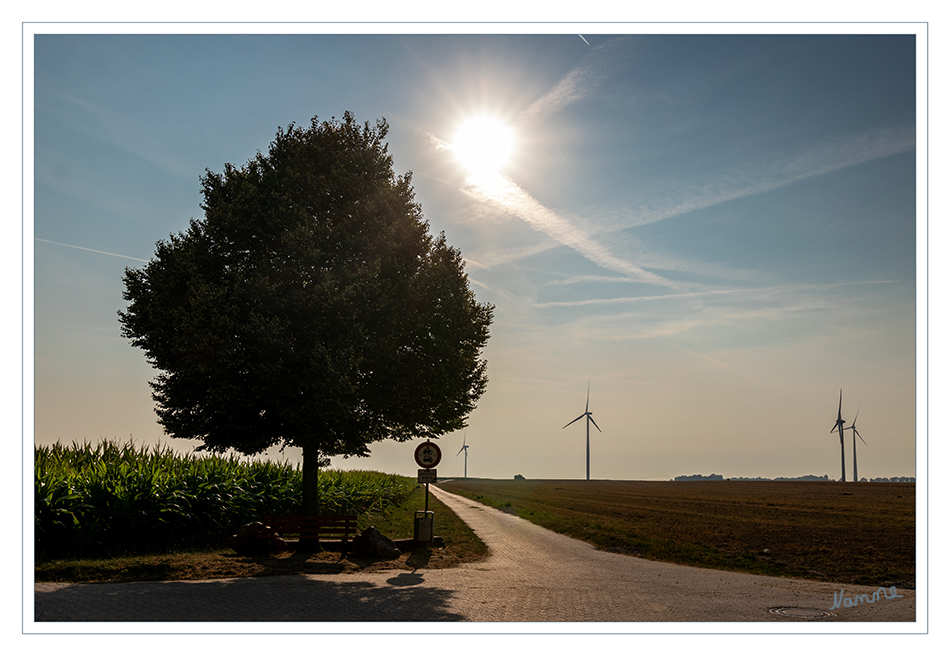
[
  {"x": 255, "y": 539},
  {"x": 371, "y": 543}
]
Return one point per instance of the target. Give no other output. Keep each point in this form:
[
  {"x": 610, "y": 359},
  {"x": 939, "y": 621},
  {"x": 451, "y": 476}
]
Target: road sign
[
  {"x": 427, "y": 476},
  {"x": 428, "y": 454}
]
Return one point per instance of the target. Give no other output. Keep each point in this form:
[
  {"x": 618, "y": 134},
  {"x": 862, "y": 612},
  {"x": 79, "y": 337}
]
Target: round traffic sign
[{"x": 428, "y": 454}]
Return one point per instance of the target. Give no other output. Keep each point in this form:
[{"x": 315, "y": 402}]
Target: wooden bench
[{"x": 313, "y": 527}]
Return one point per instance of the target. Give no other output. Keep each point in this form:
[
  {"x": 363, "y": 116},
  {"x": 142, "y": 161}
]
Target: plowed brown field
[{"x": 860, "y": 533}]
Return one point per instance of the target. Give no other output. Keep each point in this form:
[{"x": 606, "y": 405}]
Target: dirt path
[{"x": 531, "y": 574}]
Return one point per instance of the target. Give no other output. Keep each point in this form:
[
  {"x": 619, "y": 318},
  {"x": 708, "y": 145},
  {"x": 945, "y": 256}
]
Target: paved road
[{"x": 531, "y": 574}]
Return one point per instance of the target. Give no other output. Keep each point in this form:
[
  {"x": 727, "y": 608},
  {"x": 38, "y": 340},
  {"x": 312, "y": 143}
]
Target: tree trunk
[
  {"x": 311, "y": 495},
  {"x": 311, "y": 469}
]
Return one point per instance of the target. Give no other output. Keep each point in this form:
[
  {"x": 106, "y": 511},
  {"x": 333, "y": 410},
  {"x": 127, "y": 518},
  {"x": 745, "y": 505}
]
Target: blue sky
[{"x": 717, "y": 233}]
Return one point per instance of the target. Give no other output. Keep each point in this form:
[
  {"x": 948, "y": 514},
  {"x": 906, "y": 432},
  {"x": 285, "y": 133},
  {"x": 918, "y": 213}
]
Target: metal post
[{"x": 588, "y": 448}]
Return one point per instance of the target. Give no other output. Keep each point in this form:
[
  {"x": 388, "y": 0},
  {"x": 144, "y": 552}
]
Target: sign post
[{"x": 427, "y": 455}]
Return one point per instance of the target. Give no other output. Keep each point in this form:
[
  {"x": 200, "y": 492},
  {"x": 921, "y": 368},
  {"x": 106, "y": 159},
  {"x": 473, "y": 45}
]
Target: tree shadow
[
  {"x": 291, "y": 598},
  {"x": 296, "y": 562}
]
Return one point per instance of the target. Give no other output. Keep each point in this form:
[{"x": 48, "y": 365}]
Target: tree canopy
[{"x": 310, "y": 307}]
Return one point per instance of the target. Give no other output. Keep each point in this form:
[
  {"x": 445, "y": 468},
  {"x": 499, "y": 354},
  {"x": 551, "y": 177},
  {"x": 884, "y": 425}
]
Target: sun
[{"x": 483, "y": 144}]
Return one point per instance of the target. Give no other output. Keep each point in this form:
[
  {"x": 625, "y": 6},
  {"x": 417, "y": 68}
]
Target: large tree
[{"x": 310, "y": 307}]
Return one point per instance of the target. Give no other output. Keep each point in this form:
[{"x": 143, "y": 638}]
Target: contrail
[
  {"x": 577, "y": 83},
  {"x": 816, "y": 160},
  {"x": 583, "y": 39},
  {"x": 91, "y": 250},
  {"x": 761, "y": 177},
  {"x": 498, "y": 190}
]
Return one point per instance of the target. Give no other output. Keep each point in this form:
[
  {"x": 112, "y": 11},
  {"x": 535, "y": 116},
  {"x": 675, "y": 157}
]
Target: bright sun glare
[{"x": 483, "y": 144}]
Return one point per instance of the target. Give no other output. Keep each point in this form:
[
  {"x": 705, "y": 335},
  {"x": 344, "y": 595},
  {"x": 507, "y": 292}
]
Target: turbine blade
[
  {"x": 859, "y": 435},
  {"x": 587, "y": 405},
  {"x": 594, "y": 423},
  {"x": 460, "y": 450},
  {"x": 854, "y": 423},
  {"x": 568, "y": 424},
  {"x": 840, "y": 393}
]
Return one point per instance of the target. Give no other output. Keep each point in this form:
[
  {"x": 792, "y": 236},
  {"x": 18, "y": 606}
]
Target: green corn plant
[{"x": 111, "y": 498}]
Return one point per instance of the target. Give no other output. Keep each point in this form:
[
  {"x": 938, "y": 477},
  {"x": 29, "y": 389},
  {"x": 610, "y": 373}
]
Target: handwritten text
[{"x": 863, "y": 598}]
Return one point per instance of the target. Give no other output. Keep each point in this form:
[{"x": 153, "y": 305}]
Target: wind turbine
[
  {"x": 590, "y": 420},
  {"x": 839, "y": 426},
  {"x": 465, "y": 449},
  {"x": 854, "y": 431}
]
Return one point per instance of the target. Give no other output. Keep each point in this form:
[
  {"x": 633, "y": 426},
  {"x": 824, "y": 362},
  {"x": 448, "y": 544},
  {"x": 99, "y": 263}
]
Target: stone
[
  {"x": 255, "y": 539},
  {"x": 372, "y": 543}
]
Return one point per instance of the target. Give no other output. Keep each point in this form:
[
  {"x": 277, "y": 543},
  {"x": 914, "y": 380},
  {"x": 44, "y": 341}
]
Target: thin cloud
[
  {"x": 91, "y": 250},
  {"x": 437, "y": 143},
  {"x": 501, "y": 192},
  {"x": 573, "y": 280},
  {"x": 496, "y": 256},
  {"x": 581, "y": 235},
  {"x": 761, "y": 177},
  {"x": 819, "y": 159},
  {"x": 635, "y": 299},
  {"x": 663, "y": 329},
  {"x": 578, "y": 83},
  {"x": 131, "y": 135},
  {"x": 759, "y": 294},
  {"x": 774, "y": 311},
  {"x": 569, "y": 89}
]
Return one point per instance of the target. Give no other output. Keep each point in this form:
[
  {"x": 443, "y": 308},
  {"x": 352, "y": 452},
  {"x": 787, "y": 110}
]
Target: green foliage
[
  {"x": 309, "y": 307},
  {"x": 359, "y": 492},
  {"x": 112, "y": 499}
]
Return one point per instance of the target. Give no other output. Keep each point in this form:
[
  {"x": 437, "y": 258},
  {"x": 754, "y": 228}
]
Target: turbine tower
[
  {"x": 854, "y": 432},
  {"x": 465, "y": 449},
  {"x": 839, "y": 426},
  {"x": 590, "y": 420}
]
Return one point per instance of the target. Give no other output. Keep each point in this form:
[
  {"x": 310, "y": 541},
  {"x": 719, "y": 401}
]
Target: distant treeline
[{"x": 809, "y": 477}]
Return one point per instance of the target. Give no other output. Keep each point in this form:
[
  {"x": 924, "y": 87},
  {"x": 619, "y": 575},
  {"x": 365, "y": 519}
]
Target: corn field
[{"x": 112, "y": 499}]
